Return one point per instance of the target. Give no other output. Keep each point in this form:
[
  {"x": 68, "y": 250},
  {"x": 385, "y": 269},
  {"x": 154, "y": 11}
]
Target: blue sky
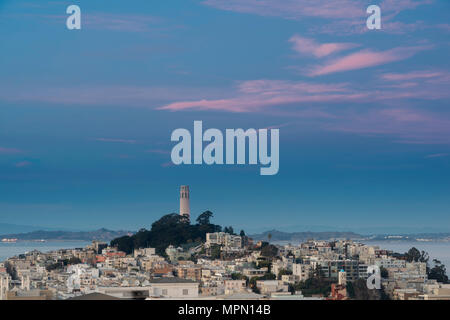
[{"x": 86, "y": 115}]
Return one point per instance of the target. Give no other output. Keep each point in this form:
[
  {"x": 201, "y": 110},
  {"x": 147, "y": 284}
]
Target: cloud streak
[
  {"x": 22, "y": 164},
  {"x": 414, "y": 75},
  {"x": 365, "y": 59},
  {"x": 311, "y": 47},
  {"x": 338, "y": 16},
  {"x": 9, "y": 150},
  {"x": 257, "y": 95},
  {"x": 126, "y": 141}
]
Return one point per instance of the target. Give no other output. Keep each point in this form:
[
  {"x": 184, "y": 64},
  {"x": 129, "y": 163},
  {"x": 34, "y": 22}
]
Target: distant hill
[
  {"x": 6, "y": 228},
  {"x": 100, "y": 234},
  {"x": 302, "y": 236}
]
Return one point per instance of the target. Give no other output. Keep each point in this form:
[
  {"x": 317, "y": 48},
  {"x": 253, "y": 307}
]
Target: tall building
[{"x": 184, "y": 201}]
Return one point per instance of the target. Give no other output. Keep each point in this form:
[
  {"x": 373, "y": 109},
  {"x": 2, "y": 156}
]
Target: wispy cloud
[
  {"x": 9, "y": 150},
  {"x": 405, "y": 125},
  {"x": 411, "y": 75},
  {"x": 292, "y": 9},
  {"x": 22, "y": 164},
  {"x": 256, "y": 95},
  {"x": 365, "y": 59},
  {"x": 158, "y": 151},
  {"x": 100, "y": 95},
  {"x": 337, "y": 16},
  {"x": 127, "y": 141},
  {"x": 120, "y": 22},
  {"x": 111, "y": 22},
  {"x": 436, "y": 155},
  {"x": 311, "y": 47}
]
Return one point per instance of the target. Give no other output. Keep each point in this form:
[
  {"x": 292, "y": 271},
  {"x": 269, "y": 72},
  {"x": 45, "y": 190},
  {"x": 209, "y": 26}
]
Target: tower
[{"x": 184, "y": 201}]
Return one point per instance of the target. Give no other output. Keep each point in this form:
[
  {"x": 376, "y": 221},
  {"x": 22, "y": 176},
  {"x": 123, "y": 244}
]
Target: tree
[
  {"x": 204, "y": 218},
  {"x": 358, "y": 290},
  {"x": 238, "y": 276},
  {"x": 269, "y": 251},
  {"x": 384, "y": 273},
  {"x": 269, "y": 236},
  {"x": 313, "y": 285},
  {"x": 283, "y": 272},
  {"x": 229, "y": 230},
  {"x": 414, "y": 255},
  {"x": 438, "y": 272},
  {"x": 242, "y": 233},
  {"x": 215, "y": 252}
]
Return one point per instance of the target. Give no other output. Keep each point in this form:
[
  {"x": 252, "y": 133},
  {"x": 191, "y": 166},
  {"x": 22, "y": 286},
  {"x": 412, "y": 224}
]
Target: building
[
  {"x": 228, "y": 241},
  {"x": 191, "y": 272},
  {"x": 184, "y": 201},
  {"x": 269, "y": 286},
  {"x": 303, "y": 271},
  {"x": 234, "y": 286},
  {"x": 173, "y": 288}
]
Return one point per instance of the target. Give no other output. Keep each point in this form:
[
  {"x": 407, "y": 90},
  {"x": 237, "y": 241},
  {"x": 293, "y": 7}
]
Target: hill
[{"x": 171, "y": 229}]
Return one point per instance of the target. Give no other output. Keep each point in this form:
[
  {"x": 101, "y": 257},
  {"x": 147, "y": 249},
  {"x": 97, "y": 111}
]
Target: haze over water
[{"x": 8, "y": 250}]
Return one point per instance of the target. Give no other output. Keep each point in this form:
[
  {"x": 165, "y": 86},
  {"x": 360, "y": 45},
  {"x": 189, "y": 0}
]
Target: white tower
[
  {"x": 342, "y": 277},
  {"x": 184, "y": 201}
]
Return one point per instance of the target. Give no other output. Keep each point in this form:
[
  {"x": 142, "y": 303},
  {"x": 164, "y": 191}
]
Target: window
[
  {"x": 185, "y": 292},
  {"x": 164, "y": 292}
]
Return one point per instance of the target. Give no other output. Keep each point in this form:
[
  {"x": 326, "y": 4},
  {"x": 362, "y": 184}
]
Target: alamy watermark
[
  {"x": 235, "y": 145},
  {"x": 374, "y": 277}
]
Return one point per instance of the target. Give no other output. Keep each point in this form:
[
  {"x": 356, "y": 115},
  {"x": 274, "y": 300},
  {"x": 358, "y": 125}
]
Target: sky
[{"x": 86, "y": 115}]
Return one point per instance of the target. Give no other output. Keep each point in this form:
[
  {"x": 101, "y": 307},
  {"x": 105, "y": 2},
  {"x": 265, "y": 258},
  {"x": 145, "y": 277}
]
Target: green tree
[
  {"x": 414, "y": 255},
  {"x": 204, "y": 218},
  {"x": 269, "y": 251},
  {"x": 283, "y": 272},
  {"x": 215, "y": 252},
  {"x": 384, "y": 273},
  {"x": 238, "y": 276},
  {"x": 438, "y": 272},
  {"x": 229, "y": 230}
]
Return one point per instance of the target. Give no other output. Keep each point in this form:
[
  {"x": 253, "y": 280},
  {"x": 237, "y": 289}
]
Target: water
[{"x": 8, "y": 250}]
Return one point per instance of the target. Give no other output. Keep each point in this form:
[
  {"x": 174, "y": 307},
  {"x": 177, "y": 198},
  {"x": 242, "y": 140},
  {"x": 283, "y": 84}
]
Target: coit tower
[{"x": 184, "y": 201}]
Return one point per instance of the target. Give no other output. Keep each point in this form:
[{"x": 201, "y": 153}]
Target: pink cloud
[
  {"x": 257, "y": 95},
  {"x": 292, "y": 9},
  {"x": 339, "y": 16},
  {"x": 113, "y": 22},
  {"x": 411, "y": 75},
  {"x": 364, "y": 59},
  {"x": 158, "y": 151},
  {"x": 128, "y": 141},
  {"x": 311, "y": 47},
  {"x": 436, "y": 155},
  {"x": 167, "y": 164},
  {"x": 405, "y": 125},
  {"x": 9, "y": 150},
  {"x": 129, "y": 96},
  {"x": 22, "y": 164}
]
